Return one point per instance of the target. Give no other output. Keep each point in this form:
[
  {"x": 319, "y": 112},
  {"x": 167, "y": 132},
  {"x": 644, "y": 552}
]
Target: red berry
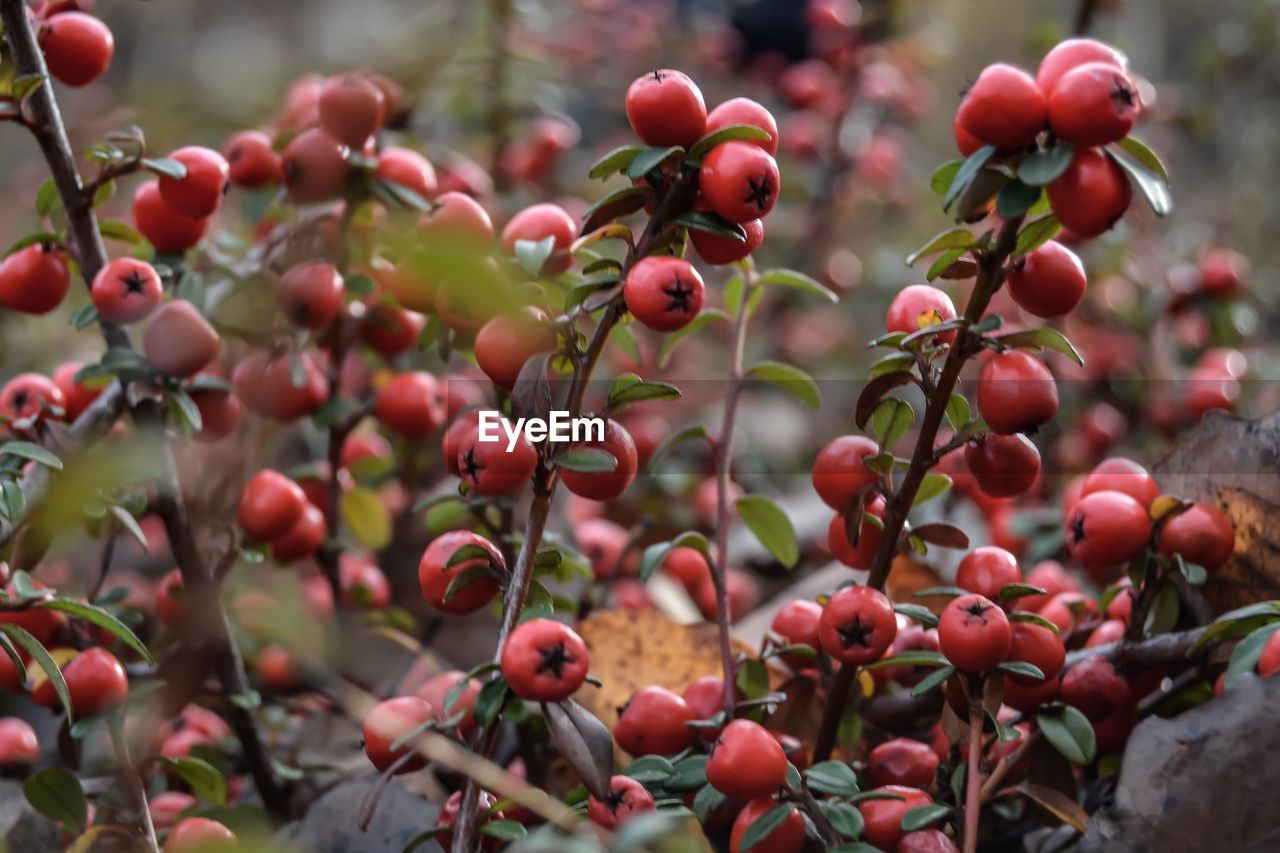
[
  {"x": 409, "y": 169},
  {"x": 716, "y": 250},
  {"x": 436, "y": 691},
  {"x": 270, "y": 505},
  {"x": 840, "y": 473},
  {"x": 167, "y": 807},
  {"x": 687, "y": 565},
  {"x": 1094, "y": 104},
  {"x": 1108, "y": 632},
  {"x": 926, "y": 841},
  {"x": 604, "y": 486},
  {"x": 544, "y": 661},
  {"x": 626, "y": 798},
  {"x": 1200, "y": 535},
  {"x": 705, "y": 698},
  {"x": 96, "y": 681},
  {"x": 34, "y": 280},
  {"x": 167, "y": 229},
  {"x": 1047, "y": 282},
  {"x": 1070, "y": 54},
  {"x": 744, "y": 111},
  {"x": 1037, "y": 645},
  {"x": 252, "y": 160},
  {"x": 1095, "y": 688},
  {"x": 1224, "y": 273},
  {"x": 664, "y": 293},
  {"x": 435, "y": 575},
  {"x": 1269, "y": 660},
  {"x": 1092, "y": 194},
  {"x": 920, "y": 306},
  {"x": 902, "y": 761},
  {"x": 411, "y": 404},
  {"x": 179, "y": 341},
  {"x": 746, "y": 762},
  {"x": 310, "y": 294},
  {"x": 787, "y": 837},
  {"x": 796, "y": 622},
  {"x": 1027, "y": 699},
  {"x": 18, "y": 743},
  {"x": 966, "y": 142},
  {"x": 666, "y": 108},
  {"x": 351, "y": 109},
  {"x": 1066, "y": 609},
  {"x": 1119, "y": 474},
  {"x": 509, "y": 340},
  {"x": 974, "y": 633},
  {"x": 739, "y": 181},
  {"x": 489, "y": 468},
  {"x": 456, "y": 215},
  {"x": 29, "y": 395},
  {"x": 1004, "y": 466},
  {"x": 741, "y": 589},
  {"x": 861, "y": 555},
  {"x": 387, "y": 723},
  {"x": 126, "y": 290},
  {"x": 1107, "y": 529},
  {"x": 1016, "y": 393},
  {"x": 77, "y": 47},
  {"x": 987, "y": 570},
  {"x": 315, "y": 167},
  {"x": 266, "y": 384},
  {"x": 535, "y": 224},
  {"x": 882, "y": 819},
  {"x": 448, "y": 817},
  {"x": 1050, "y": 576},
  {"x": 858, "y": 625},
  {"x": 200, "y": 835},
  {"x": 1004, "y": 107},
  {"x": 199, "y": 193},
  {"x": 654, "y": 722},
  {"x": 303, "y": 539},
  {"x": 78, "y": 395}
]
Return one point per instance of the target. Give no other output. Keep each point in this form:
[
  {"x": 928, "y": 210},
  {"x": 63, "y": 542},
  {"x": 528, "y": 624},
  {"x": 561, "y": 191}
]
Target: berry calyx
[
  {"x": 974, "y": 633},
  {"x": 489, "y": 468},
  {"x": 858, "y": 625},
  {"x": 1094, "y": 104},
  {"x": 126, "y": 290},
  {"x": 1107, "y": 529},
  {"x": 664, "y": 293},
  {"x": 739, "y": 181},
  {"x": 544, "y": 661},
  {"x": 626, "y": 797},
  {"x": 665, "y": 107}
]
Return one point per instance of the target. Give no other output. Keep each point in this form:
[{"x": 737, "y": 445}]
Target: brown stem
[
  {"x": 898, "y": 506},
  {"x": 1005, "y": 767},
  {"x": 132, "y": 784},
  {"x": 1084, "y": 16},
  {"x": 499, "y": 132},
  {"x": 973, "y": 774}
]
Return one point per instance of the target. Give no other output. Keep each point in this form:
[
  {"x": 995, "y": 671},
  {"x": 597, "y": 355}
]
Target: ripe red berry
[
  {"x": 664, "y": 293},
  {"x": 840, "y": 546},
  {"x": 456, "y": 215},
  {"x": 858, "y": 625},
  {"x": 96, "y": 681},
  {"x": 716, "y": 250},
  {"x": 78, "y": 395},
  {"x": 1224, "y": 273},
  {"x": 1107, "y": 529},
  {"x": 167, "y": 229},
  {"x": 626, "y": 798},
  {"x": 489, "y": 468},
  {"x": 18, "y": 743},
  {"x": 310, "y": 294},
  {"x": 544, "y": 661},
  {"x": 966, "y": 142},
  {"x": 409, "y": 169},
  {"x": 1073, "y": 53},
  {"x": 604, "y": 486},
  {"x": 266, "y": 384},
  {"x": 535, "y": 224},
  {"x": 1200, "y": 535},
  {"x": 742, "y": 591},
  {"x": 34, "y": 280},
  {"x": 666, "y": 108},
  {"x": 796, "y": 622},
  {"x": 974, "y": 633},
  {"x": 1004, "y": 107},
  {"x": 1091, "y": 195},
  {"x": 840, "y": 473},
  {"x": 1269, "y": 659},
  {"x": 746, "y": 762},
  {"x": 1047, "y": 282},
  {"x": 987, "y": 570},
  {"x": 1095, "y": 688},
  {"x": 411, "y": 404},
  {"x": 270, "y": 505},
  {"x": 787, "y": 837},
  {"x": 740, "y": 111},
  {"x": 1016, "y": 393},
  {"x": 435, "y": 575},
  {"x": 882, "y": 819},
  {"x": 462, "y": 427},
  {"x": 1094, "y": 104},
  {"x": 920, "y": 306},
  {"x": 1037, "y": 645},
  {"x": 200, "y": 835},
  {"x": 179, "y": 341},
  {"x": 351, "y": 109},
  {"x": 902, "y": 761},
  {"x": 1110, "y": 631},
  {"x": 199, "y": 193},
  {"x": 1118, "y": 474},
  {"x": 126, "y": 290},
  {"x": 436, "y": 691},
  {"x": 252, "y": 160},
  {"x": 77, "y": 47},
  {"x": 387, "y": 723},
  {"x": 315, "y": 167},
  {"x": 926, "y": 841},
  {"x": 687, "y": 565},
  {"x": 303, "y": 539},
  {"x": 506, "y": 342},
  {"x": 739, "y": 181},
  {"x": 29, "y": 395},
  {"x": 654, "y": 722},
  {"x": 1004, "y": 466}
]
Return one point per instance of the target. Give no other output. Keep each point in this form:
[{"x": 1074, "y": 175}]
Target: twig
[
  {"x": 499, "y": 133},
  {"x": 132, "y": 784},
  {"x": 1005, "y": 767},
  {"x": 973, "y": 771}
]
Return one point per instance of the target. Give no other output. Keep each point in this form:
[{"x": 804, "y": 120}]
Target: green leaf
[
  {"x": 489, "y": 701},
  {"x": 165, "y": 166},
  {"x": 32, "y": 239},
  {"x": 46, "y": 198},
  {"x": 690, "y": 774},
  {"x": 798, "y": 280},
  {"x": 1152, "y": 188},
  {"x": 891, "y": 420},
  {"x": 84, "y": 316},
  {"x": 32, "y": 451},
  {"x": 533, "y": 255},
  {"x": 845, "y": 819},
  {"x": 650, "y": 769},
  {"x": 771, "y": 526},
  {"x": 587, "y": 460},
  {"x": 894, "y": 362},
  {"x": 1145, "y": 156},
  {"x": 933, "y": 485},
  {"x": 103, "y": 193},
  {"x": 932, "y": 591},
  {"x": 1069, "y": 732},
  {"x": 649, "y": 159},
  {"x": 932, "y": 680},
  {"x": 19, "y": 665},
  {"x": 1244, "y": 657},
  {"x": 1015, "y": 199},
  {"x": 706, "y": 799},
  {"x": 918, "y": 612},
  {"x": 656, "y": 553},
  {"x": 22, "y": 87},
  {"x": 113, "y": 229},
  {"x": 832, "y": 777},
  {"x": 669, "y": 443},
  {"x": 206, "y": 781},
  {"x": 762, "y": 826},
  {"x": 507, "y": 830},
  {"x": 922, "y": 816},
  {"x": 791, "y": 379},
  {"x": 615, "y": 161},
  {"x": 1036, "y": 234},
  {"x": 1044, "y": 337},
  {"x": 1018, "y": 667},
  {"x": 1036, "y": 618},
  {"x": 944, "y": 176},
  {"x": 957, "y": 412},
  {"x": 1011, "y": 591},
  {"x": 712, "y": 223},
  {"x": 102, "y": 619},
  {"x": 705, "y": 318},
  {"x": 614, "y": 205},
  {"x": 731, "y": 133},
  {"x": 50, "y": 667},
  {"x": 1043, "y": 167},
  {"x": 952, "y": 238},
  {"x": 641, "y": 831},
  {"x": 1237, "y": 623},
  {"x": 364, "y": 513},
  {"x": 965, "y": 173},
  {"x": 945, "y": 262},
  {"x": 466, "y": 554},
  {"x": 918, "y": 657},
  {"x": 186, "y": 410},
  {"x": 636, "y": 390},
  {"x": 56, "y": 794}
]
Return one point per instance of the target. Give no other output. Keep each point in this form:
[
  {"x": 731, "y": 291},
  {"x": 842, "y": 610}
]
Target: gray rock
[
  {"x": 22, "y": 829},
  {"x": 330, "y": 824},
  {"x": 1204, "y": 780}
]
